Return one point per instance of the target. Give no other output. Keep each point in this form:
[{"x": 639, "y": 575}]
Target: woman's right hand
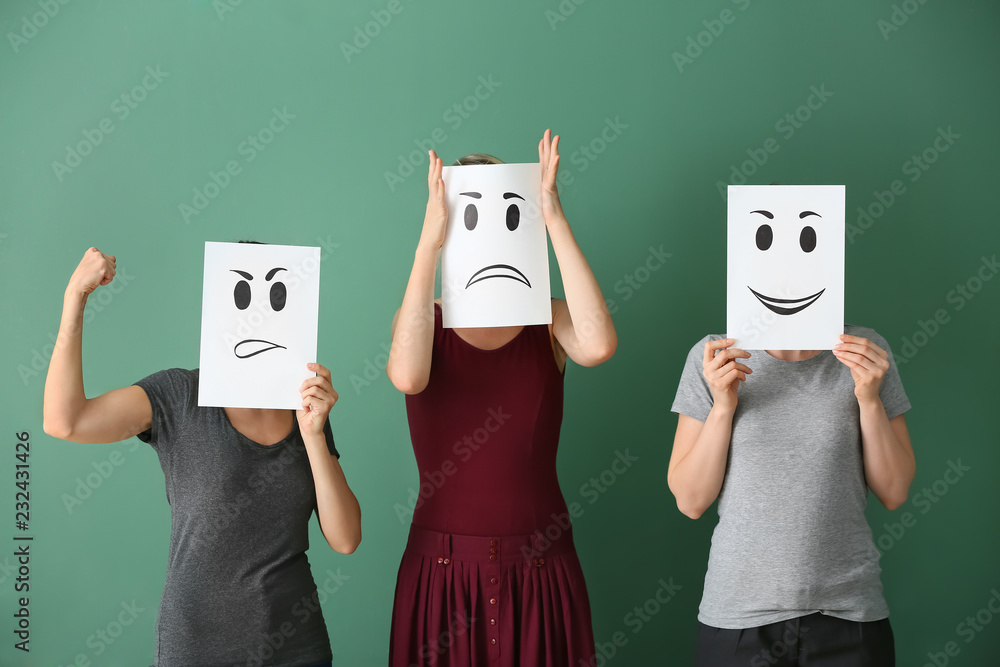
[
  {"x": 723, "y": 373},
  {"x": 436, "y": 217},
  {"x": 94, "y": 270}
]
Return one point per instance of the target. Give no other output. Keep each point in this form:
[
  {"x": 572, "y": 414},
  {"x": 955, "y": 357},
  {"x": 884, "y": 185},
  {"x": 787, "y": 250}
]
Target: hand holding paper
[
  {"x": 436, "y": 215},
  {"x": 318, "y": 398},
  {"x": 723, "y": 372},
  {"x": 548, "y": 158},
  {"x": 868, "y": 363}
]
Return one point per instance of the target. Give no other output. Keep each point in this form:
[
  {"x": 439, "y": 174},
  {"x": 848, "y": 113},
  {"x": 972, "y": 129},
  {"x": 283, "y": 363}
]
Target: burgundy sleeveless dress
[{"x": 489, "y": 576}]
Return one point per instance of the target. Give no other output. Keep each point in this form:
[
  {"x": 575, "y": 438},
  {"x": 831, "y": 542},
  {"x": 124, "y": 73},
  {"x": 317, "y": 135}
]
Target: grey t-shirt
[
  {"x": 792, "y": 537},
  {"x": 239, "y": 590}
]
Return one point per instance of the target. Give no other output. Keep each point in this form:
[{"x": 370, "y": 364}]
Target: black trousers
[{"x": 816, "y": 640}]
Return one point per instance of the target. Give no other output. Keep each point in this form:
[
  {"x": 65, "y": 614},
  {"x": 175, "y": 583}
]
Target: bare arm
[
  {"x": 581, "y": 324},
  {"x": 888, "y": 455},
  {"x": 409, "y": 365},
  {"x": 886, "y": 450},
  {"x": 67, "y": 412},
  {"x": 698, "y": 461},
  {"x": 337, "y": 508}
]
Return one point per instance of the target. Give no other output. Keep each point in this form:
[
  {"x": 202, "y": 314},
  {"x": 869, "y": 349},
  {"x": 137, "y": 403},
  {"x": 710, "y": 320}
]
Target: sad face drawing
[
  {"x": 785, "y": 277},
  {"x": 494, "y": 262},
  {"x": 512, "y": 217},
  {"x": 260, "y": 314}
]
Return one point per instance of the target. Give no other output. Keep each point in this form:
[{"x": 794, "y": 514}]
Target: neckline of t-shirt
[
  {"x": 284, "y": 441},
  {"x": 823, "y": 354},
  {"x": 221, "y": 412}
]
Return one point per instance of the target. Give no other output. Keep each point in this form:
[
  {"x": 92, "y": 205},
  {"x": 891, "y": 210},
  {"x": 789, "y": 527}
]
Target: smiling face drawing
[
  {"x": 512, "y": 217},
  {"x": 242, "y": 297},
  {"x": 807, "y": 242},
  {"x": 785, "y": 266},
  {"x": 495, "y": 258}
]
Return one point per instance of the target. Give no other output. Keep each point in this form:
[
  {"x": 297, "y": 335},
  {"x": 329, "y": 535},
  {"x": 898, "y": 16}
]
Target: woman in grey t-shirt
[
  {"x": 790, "y": 442},
  {"x": 242, "y": 485}
]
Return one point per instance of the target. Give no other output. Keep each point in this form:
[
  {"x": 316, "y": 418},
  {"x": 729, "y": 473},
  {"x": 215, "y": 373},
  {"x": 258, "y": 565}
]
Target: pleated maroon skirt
[{"x": 469, "y": 601}]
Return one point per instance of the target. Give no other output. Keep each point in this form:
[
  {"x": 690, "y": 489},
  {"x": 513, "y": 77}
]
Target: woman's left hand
[
  {"x": 318, "y": 398},
  {"x": 868, "y": 363},
  {"x": 548, "y": 156}
]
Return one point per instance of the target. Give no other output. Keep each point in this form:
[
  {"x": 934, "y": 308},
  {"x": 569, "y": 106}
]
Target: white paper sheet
[
  {"x": 495, "y": 261},
  {"x": 259, "y": 324},
  {"x": 785, "y": 266}
]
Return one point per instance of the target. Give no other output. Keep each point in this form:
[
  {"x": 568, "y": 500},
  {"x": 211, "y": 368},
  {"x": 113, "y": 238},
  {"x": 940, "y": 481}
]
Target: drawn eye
[
  {"x": 807, "y": 239},
  {"x": 764, "y": 237},
  {"x": 278, "y": 294},
  {"x": 513, "y": 217},
  {"x": 241, "y": 295},
  {"x": 471, "y": 216}
]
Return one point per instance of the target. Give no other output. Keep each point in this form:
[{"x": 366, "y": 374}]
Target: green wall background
[{"x": 681, "y": 130}]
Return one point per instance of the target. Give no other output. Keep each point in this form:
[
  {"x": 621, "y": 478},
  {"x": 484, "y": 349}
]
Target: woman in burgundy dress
[{"x": 490, "y": 576}]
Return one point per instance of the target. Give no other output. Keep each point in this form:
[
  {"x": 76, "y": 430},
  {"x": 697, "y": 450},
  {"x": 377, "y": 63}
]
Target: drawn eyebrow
[
  {"x": 471, "y": 194},
  {"x": 766, "y": 214},
  {"x": 806, "y": 214},
  {"x": 270, "y": 274},
  {"x": 509, "y": 195},
  {"x": 242, "y": 273}
]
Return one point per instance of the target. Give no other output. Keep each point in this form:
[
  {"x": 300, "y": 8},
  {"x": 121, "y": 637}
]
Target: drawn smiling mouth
[
  {"x": 804, "y": 302},
  {"x": 257, "y": 345},
  {"x": 499, "y": 272}
]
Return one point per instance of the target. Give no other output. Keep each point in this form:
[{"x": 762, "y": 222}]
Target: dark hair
[{"x": 253, "y": 242}]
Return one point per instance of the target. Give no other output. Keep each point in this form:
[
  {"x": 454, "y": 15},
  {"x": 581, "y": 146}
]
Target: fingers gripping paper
[
  {"x": 495, "y": 260},
  {"x": 259, "y": 324},
  {"x": 785, "y": 268}
]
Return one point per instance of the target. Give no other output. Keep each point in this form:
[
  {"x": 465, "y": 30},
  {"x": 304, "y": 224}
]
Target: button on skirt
[{"x": 505, "y": 601}]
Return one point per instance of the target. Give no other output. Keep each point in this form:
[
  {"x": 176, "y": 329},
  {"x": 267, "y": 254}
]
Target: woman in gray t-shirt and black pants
[{"x": 793, "y": 574}]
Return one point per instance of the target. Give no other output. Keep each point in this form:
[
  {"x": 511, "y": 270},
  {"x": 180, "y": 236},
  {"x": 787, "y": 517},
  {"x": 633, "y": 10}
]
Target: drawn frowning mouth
[
  {"x": 803, "y": 303},
  {"x": 258, "y": 346},
  {"x": 497, "y": 271}
]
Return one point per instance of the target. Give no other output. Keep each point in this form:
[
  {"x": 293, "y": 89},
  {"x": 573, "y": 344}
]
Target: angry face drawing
[{"x": 260, "y": 314}]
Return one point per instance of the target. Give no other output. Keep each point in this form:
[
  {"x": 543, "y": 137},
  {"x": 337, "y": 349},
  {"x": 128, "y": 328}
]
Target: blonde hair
[{"x": 477, "y": 158}]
